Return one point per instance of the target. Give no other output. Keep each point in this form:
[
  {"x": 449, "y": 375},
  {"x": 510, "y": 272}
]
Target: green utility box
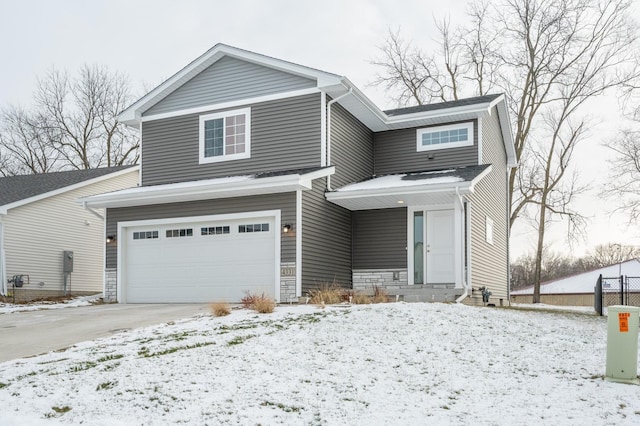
[{"x": 622, "y": 344}]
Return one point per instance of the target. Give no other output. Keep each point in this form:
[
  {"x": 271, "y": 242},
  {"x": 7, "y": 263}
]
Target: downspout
[
  {"x": 329, "y": 132},
  {"x": 465, "y": 284},
  {"x": 84, "y": 204}
]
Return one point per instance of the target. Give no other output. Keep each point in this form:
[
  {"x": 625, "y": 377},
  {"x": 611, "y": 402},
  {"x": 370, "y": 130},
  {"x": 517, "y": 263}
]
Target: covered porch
[{"x": 411, "y": 233}]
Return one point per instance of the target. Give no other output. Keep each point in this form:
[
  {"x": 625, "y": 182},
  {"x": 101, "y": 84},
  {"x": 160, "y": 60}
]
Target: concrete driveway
[{"x": 24, "y": 334}]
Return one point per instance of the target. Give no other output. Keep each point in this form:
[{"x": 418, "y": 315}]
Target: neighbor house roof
[
  {"x": 339, "y": 88},
  {"x": 208, "y": 189},
  {"x": 416, "y": 188},
  {"x": 584, "y": 282},
  {"x": 23, "y": 189}
]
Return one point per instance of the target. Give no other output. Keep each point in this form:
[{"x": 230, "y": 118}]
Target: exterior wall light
[
  {"x": 286, "y": 228},
  {"x": 111, "y": 238}
]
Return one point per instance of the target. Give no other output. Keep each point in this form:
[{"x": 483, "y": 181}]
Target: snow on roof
[
  {"x": 586, "y": 281},
  {"x": 398, "y": 181}
]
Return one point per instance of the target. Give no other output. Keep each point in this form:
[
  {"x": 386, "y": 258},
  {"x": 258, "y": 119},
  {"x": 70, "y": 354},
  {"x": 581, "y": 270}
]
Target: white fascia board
[
  {"x": 205, "y": 190},
  {"x": 507, "y": 134},
  {"x": 132, "y": 115},
  {"x": 4, "y": 209},
  {"x": 462, "y": 188},
  {"x": 478, "y": 178}
]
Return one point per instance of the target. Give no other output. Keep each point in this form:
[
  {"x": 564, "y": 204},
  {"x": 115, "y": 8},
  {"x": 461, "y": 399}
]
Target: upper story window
[
  {"x": 442, "y": 137},
  {"x": 225, "y": 136}
]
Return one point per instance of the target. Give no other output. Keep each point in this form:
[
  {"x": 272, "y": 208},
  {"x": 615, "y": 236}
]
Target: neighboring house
[
  {"x": 578, "y": 289},
  {"x": 40, "y": 219},
  {"x": 260, "y": 175}
]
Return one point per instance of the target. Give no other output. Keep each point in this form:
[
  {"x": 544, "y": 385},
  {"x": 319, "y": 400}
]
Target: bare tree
[
  {"x": 26, "y": 144},
  {"x": 548, "y": 57},
  {"x": 612, "y": 253},
  {"x": 81, "y": 117},
  {"x": 624, "y": 183}
]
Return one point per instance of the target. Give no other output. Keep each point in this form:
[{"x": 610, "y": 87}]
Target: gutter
[
  {"x": 465, "y": 284},
  {"x": 331, "y": 102}
]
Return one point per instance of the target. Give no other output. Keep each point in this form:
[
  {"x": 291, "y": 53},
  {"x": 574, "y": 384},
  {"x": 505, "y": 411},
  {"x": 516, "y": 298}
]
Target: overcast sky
[{"x": 151, "y": 40}]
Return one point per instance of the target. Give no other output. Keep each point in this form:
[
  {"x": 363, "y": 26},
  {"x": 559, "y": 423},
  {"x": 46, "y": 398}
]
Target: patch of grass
[
  {"x": 52, "y": 361},
  {"x": 106, "y": 385},
  {"x": 58, "y": 411},
  {"x": 82, "y": 367},
  {"x": 327, "y": 294},
  {"x": 240, "y": 339},
  {"x": 220, "y": 309},
  {"x": 3, "y": 385},
  {"x": 109, "y": 358},
  {"x": 285, "y": 408},
  {"x": 146, "y": 354}
]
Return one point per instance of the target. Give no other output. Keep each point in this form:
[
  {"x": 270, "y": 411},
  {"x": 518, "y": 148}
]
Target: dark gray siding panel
[
  {"x": 227, "y": 80},
  {"x": 285, "y": 134},
  {"x": 285, "y": 202},
  {"x": 326, "y": 240},
  {"x": 351, "y": 148},
  {"x": 489, "y": 262},
  {"x": 395, "y": 152},
  {"x": 380, "y": 239}
]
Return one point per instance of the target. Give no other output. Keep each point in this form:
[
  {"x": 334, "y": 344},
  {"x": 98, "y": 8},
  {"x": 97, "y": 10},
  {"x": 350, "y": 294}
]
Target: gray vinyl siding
[
  {"x": 489, "y": 262},
  {"x": 285, "y": 134},
  {"x": 285, "y": 202},
  {"x": 395, "y": 152},
  {"x": 351, "y": 148},
  {"x": 227, "y": 80},
  {"x": 380, "y": 239},
  {"x": 326, "y": 240}
]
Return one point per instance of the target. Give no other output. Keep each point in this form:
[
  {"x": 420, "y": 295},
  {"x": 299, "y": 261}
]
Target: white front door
[
  {"x": 433, "y": 247},
  {"x": 440, "y": 247}
]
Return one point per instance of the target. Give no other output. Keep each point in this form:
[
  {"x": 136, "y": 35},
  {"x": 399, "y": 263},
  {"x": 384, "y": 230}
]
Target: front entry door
[
  {"x": 435, "y": 259},
  {"x": 440, "y": 247}
]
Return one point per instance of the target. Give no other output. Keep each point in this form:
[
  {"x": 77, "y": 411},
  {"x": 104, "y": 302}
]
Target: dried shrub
[
  {"x": 263, "y": 304},
  {"x": 248, "y": 300},
  {"x": 327, "y": 293},
  {"x": 220, "y": 309},
  {"x": 360, "y": 298},
  {"x": 380, "y": 295}
]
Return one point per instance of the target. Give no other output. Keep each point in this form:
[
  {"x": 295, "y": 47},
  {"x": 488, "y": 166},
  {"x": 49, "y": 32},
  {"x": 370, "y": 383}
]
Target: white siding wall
[{"x": 36, "y": 234}]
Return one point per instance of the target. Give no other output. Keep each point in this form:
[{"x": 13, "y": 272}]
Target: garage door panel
[{"x": 201, "y": 268}]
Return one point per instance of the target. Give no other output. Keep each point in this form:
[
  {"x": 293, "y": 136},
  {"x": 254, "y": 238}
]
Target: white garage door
[{"x": 200, "y": 262}]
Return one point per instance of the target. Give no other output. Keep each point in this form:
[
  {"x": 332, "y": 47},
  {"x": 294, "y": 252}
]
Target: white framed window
[
  {"x": 225, "y": 136},
  {"x": 442, "y": 137},
  {"x": 488, "y": 229}
]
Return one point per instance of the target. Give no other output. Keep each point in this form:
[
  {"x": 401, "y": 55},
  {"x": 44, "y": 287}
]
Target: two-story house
[{"x": 260, "y": 175}]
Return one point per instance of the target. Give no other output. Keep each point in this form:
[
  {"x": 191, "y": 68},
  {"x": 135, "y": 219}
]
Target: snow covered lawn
[{"x": 386, "y": 364}]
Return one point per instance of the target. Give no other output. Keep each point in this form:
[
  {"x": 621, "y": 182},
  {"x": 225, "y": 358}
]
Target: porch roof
[
  {"x": 207, "y": 189},
  {"x": 416, "y": 188}
]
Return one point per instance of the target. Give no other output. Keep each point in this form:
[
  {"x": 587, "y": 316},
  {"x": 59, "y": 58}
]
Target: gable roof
[
  {"x": 339, "y": 88},
  {"x": 22, "y": 189},
  {"x": 415, "y": 188}
]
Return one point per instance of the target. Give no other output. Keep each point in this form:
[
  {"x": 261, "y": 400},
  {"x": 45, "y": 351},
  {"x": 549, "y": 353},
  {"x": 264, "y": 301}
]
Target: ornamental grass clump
[
  {"x": 264, "y": 305},
  {"x": 220, "y": 309},
  {"x": 328, "y": 294},
  {"x": 260, "y": 303}
]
